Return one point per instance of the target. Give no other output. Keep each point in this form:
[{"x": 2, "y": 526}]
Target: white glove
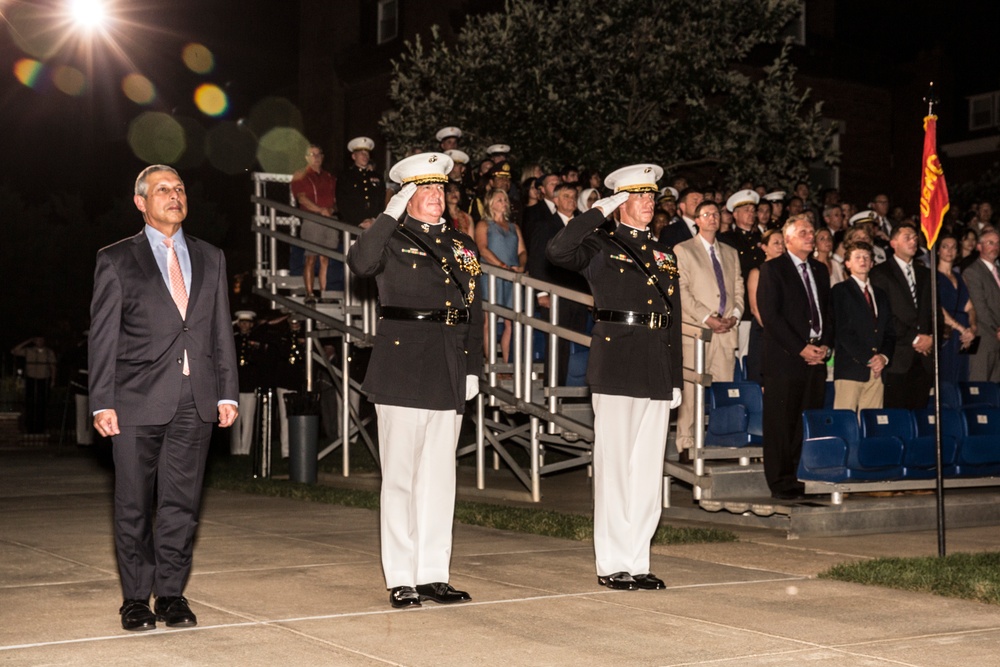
[
  {"x": 397, "y": 205},
  {"x": 471, "y": 386},
  {"x": 609, "y": 204},
  {"x": 676, "y": 400}
]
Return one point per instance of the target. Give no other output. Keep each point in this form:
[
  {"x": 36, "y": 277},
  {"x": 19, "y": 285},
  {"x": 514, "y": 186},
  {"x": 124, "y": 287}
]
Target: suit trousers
[
  {"x": 785, "y": 397},
  {"x": 241, "y": 434},
  {"x": 154, "y": 537},
  {"x": 910, "y": 389},
  {"x": 630, "y": 439},
  {"x": 417, "y": 448},
  {"x": 720, "y": 362}
]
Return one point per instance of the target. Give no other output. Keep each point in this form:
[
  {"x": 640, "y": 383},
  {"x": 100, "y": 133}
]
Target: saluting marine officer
[
  {"x": 425, "y": 365},
  {"x": 635, "y": 371}
]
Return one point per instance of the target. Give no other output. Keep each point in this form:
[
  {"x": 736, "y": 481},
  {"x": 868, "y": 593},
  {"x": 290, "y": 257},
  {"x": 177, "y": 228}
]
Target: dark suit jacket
[
  {"x": 857, "y": 335},
  {"x": 675, "y": 232},
  {"x": 907, "y": 319},
  {"x": 784, "y": 309},
  {"x": 539, "y": 265},
  {"x": 985, "y": 296},
  {"x": 138, "y": 339}
]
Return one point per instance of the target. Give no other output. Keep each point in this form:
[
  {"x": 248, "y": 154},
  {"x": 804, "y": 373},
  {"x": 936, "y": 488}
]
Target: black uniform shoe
[
  {"x": 649, "y": 582},
  {"x": 620, "y": 581},
  {"x": 404, "y": 596},
  {"x": 442, "y": 593},
  {"x": 136, "y": 615},
  {"x": 175, "y": 612},
  {"x": 790, "y": 494}
]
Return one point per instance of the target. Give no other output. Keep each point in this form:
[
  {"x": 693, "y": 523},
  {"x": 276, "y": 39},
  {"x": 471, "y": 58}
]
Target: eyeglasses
[
  {"x": 316, "y": 154},
  {"x": 708, "y": 215}
]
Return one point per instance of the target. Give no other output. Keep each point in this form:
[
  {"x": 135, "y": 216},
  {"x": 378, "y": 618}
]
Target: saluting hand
[{"x": 397, "y": 205}]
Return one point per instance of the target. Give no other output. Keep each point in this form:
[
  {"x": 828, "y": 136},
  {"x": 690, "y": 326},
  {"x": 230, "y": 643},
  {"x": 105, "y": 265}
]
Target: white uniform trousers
[
  {"x": 279, "y": 394},
  {"x": 241, "y": 436},
  {"x": 417, "y": 448},
  {"x": 630, "y": 438}
]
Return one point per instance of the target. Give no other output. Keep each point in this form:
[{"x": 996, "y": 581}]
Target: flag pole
[{"x": 932, "y": 99}]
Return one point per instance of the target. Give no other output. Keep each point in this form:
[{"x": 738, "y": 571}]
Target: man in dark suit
[
  {"x": 908, "y": 379},
  {"x": 793, "y": 296},
  {"x": 572, "y": 315},
  {"x": 863, "y": 335},
  {"x": 685, "y": 228},
  {"x": 983, "y": 279},
  {"x": 162, "y": 371}
]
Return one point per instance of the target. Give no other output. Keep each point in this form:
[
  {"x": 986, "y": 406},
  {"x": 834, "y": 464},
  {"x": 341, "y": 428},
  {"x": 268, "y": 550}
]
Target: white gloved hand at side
[
  {"x": 676, "y": 400},
  {"x": 397, "y": 205},
  {"x": 471, "y": 386},
  {"x": 609, "y": 204}
]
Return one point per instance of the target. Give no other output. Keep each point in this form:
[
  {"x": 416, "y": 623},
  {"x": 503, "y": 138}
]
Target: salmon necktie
[{"x": 177, "y": 289}]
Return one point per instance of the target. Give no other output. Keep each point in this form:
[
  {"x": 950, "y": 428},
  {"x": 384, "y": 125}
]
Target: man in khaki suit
[{"x": 711, "y": 287}]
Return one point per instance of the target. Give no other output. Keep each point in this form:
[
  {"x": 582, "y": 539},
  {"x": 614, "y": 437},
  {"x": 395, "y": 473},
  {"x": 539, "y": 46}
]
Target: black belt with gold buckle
[
  {"x": 650, "y": 320},
  {"x": 449, "y": 316}
]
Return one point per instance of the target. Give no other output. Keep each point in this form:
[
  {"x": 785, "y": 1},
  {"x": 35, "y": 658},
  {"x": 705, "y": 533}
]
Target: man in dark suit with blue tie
[
  {"x": 793, "y": 296},
  {"x": 162, "y": 373},
  {"x": 863, "y": 334}
]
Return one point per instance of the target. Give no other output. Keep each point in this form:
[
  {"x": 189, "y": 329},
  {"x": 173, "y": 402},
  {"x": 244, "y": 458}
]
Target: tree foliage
[{"x": 606, "y": 83}]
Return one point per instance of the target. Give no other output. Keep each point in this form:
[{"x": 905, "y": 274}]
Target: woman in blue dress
[
  {"x": 500, "y": 244},
  {"x": 958, "y": 317}
]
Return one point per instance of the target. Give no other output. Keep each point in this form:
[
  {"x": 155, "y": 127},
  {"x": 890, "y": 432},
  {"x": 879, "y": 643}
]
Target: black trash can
[{"x": 303, "y": 435}]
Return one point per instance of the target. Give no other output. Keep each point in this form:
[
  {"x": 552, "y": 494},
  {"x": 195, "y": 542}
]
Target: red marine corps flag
[{"x": 933, "y": 191}]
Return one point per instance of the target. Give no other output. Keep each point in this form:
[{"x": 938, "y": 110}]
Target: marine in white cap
[
  {"x": 360, "y": 190},
  {"x": 635, "y": 368},
  {"x": 425, "y": 365},
  {"x": 448, "y": 138},
  {"x": 746, "y": 237},
  {"x": 498, "y": 152},
  {"x": 248, "y": 358},
  {"x": 777, "y": 199},
  {"x": 459, "y": 176}
]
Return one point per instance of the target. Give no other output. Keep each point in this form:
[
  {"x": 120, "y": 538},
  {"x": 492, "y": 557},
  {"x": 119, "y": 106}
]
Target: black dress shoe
[
  {"x": 620, "y": 581},
  {"x": 649, "y": 582},
  {"x": 175, "y": 612},
  {"x": 404, "y": 596},
  {"x": 788, "y": 495},
  {"x": 136, "y": 615},
  {"x": 442, "y": 593}
]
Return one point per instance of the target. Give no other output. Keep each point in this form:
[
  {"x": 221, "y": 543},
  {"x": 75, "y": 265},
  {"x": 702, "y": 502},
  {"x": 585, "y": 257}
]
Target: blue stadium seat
[
  {"x": 899, "y": 424},
  {"x": 877, "y": 458},
  {"x": 735, "y": 414},
  {"x": 979, "y": 453},
  {"x": 920, "y": 454},
  {"x": 978, "y": 394}
]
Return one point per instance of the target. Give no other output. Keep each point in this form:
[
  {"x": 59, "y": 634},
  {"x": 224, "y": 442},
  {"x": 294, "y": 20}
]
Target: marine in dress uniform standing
[
  {"x": 425, "y": 365},
  {"x": 635, "y": 371},
  {"x": 746, "y": 237},
  {"x": 248, "y": 350},
  {"x": 360, "y": 191}
]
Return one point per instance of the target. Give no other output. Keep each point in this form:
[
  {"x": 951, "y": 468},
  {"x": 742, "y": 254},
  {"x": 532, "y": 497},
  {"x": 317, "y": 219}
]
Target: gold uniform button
[
  {"x": 396, "y": 342},
  {"x": 650, "y": 302},
  {"x": 607, "y": 338},
  {"x": 447, "y": 303}
]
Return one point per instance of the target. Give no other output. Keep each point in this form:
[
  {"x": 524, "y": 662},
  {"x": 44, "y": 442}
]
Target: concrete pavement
[{"x": 286, "y": 582}]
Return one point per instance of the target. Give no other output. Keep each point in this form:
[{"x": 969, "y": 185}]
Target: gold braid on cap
[
  {"x": 424, "y": 179},
  {"x": 743, "y": 203},
  {"x": 640, "y": 187}
]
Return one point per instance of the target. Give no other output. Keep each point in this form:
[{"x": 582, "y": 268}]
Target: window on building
[
  {"x": 983, "y": 111},
  {"x": 388, "y": 20}
]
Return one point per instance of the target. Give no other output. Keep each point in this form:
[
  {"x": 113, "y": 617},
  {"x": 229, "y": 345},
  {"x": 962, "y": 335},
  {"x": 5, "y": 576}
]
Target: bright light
[{"x": 88, "y": 13}]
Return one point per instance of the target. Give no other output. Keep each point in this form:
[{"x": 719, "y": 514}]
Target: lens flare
[
  {"x": 280, "y": 151},
  {"x": 138, "y": 88},
  {"x": 198, "y": 58},
  {"x": 272, "y": 112},
  {"x": 88, "y": 14},
  {"x": 230, "y": 148},
  {"x": 211, "y": 100},
  {"x": 156, "y": 138},
  {"x": 69, "y": 80},
  {"x": 28, "y": 71}
]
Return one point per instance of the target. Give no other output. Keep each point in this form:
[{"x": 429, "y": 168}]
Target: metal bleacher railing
[{"x": 521, "y": 404}]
